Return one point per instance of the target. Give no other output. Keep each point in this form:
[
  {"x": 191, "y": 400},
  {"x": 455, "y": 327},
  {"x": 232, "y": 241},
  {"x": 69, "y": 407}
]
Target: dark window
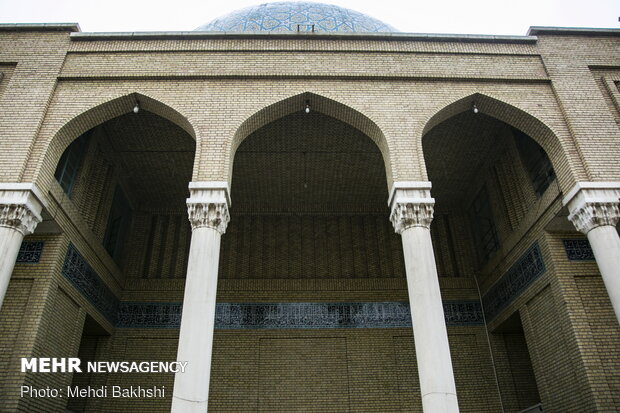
[
  {"x": 535, "y": 161},
  {"x": 118, "y": 223},
  {"x": 483, "y": 225},
  {"x": 70, "y": 162}
]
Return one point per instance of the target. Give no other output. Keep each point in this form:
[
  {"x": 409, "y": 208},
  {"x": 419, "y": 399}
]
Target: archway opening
[
  {"x": 309, "y": 183},
  {"x": 486, "y": 175},
  {"x": 308, "y": 244},
  {"x": 491, "y": 182},
  {"x": 127, "y": 178}
]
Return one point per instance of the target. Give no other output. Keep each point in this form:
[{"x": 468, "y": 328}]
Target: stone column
[
  {"x": 411, "y": 213},
  {"x": 593, "y": 209},
  {"x": 20, "y": 212},
  {"x": 208, "y": 213}
]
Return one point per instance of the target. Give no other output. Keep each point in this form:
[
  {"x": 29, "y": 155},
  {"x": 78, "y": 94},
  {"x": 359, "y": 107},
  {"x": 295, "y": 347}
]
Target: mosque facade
[{"x": 378, "y": 221}]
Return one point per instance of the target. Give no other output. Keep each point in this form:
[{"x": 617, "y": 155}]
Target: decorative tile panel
[
  {"x": 149, "y": 315},
  {"x": 89, "y": 284},
  {"x": 30, "y": 252},
  {"x": 459, "y": 313},
  {"x": 578, "y": 249},
  {"x": 231, "y": 316},
  {"x": 528, "y": 268},
  {"x": 296, "y": 16},
  {"x": 259, "y": 316}
]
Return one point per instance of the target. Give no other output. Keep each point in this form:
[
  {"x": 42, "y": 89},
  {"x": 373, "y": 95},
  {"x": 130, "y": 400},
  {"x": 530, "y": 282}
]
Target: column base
[
  {"x": 440, "y": 403},
  {"x": 188, "y": 406}
]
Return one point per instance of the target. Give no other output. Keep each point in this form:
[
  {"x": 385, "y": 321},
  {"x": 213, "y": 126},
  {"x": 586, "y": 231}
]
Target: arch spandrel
[
  {"x": 568, "y": 169},
  {"x": 318, "y": 103},
  {"x": 41, "y": 169}
]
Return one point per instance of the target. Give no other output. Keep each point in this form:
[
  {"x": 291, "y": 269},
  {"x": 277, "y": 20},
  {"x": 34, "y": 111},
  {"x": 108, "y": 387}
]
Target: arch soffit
[
  {"x": 321, "y": 104},
  {"x": 102, "y": 112},
  {"x": 514, "y": 116}
]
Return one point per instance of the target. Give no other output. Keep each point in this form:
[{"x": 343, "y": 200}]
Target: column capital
[
  {"x": 207, "y": 205},
  {"x": 411, "y": 205},
  {"x": 20, "y": 206},
  {"x": 593, "y": 204}
]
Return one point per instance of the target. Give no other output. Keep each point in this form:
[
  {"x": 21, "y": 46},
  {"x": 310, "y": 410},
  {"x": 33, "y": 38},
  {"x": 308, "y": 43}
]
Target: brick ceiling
[
  {"x": 156, "y": 157},
  {"x": 308, "y": 163},
  {"x": 457, "y": 150},
  {"x": 301, "y": 163}
]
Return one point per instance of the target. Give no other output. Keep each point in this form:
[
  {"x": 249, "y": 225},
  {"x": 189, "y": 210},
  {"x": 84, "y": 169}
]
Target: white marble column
[
  {"x": 593, "y": 209},
  {"x": 411, "y": 213},
  {"x": 20, "y": 212},
  {"x": 208, "y": 213}
]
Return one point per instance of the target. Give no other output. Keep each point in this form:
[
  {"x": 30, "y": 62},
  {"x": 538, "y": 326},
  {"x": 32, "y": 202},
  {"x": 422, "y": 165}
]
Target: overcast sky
[{"x": 413, "y": 16}]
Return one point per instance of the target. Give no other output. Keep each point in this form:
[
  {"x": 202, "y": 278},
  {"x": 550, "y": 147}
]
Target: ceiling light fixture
[
  {"x": 307, "y": 106},
  {"x": 136, "y": 108},
  {"x": 475, "y": 108}
]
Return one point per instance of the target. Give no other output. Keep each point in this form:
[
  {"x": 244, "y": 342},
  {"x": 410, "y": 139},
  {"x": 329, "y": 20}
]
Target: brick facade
[{"x": 309, "y": 218}]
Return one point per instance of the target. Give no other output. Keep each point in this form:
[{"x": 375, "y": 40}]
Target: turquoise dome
[{"x": 296, "y": 16}]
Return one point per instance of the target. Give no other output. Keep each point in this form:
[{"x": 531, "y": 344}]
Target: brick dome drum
[{"x": 296, "y": 16}]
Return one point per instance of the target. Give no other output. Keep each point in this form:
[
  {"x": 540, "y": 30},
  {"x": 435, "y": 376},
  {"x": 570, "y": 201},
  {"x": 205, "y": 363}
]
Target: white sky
[{"x": 413, "y": 16}]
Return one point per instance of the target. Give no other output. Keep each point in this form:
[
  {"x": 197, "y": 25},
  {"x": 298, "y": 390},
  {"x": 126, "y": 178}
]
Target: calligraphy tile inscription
[
  {"x": 30, "y": 252},
  {"x": 578, "y": 249},
  {"x": 261, "y": 316},
  {"x": 523, "y": 272},
  {"x": 84, "y": 278}
]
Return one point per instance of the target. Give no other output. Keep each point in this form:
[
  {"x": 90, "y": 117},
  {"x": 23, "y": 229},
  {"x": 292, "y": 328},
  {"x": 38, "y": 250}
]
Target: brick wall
[{"x": 398, "y": 92}]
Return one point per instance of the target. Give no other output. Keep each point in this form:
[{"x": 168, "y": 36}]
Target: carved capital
[
  {"x": 407, "y": 215},
  {"x": 593, "y": 204},
  {"x": 207, "y": 205},
  {"x": 411, "y": 205},
  {"x": 20, "y": 207},
  {"x": 594, "y": 215},
  {"x": 209, "y": 215}
]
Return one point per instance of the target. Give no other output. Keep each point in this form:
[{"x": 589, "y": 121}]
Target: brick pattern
[
  {"x": 310, "y": 246},
  {"x": 24, "y": 104},
  {"x": 399, "y": 91},
  {"x": 516, "y": 379}
]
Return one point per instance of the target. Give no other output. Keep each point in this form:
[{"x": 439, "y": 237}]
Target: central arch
[
  {"x": 309, "y": 234},
  {"x": 320, "y": 104}
]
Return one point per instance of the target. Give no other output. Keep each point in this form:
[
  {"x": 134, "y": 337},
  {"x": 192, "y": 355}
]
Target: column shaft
[
  {"x": 412, "y": 213},
  {"x": 429, "y": 326},
  {"x": 10, "y": 241},
  {"x": 191, "y": 389},
  {"x": 606, "y": 247},
  {"x": 20, "y": 212},
  {"x": 594, "y": 210},
  {"x": 208, "y": 213}
]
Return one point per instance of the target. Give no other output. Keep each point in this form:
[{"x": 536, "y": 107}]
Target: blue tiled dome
[{"x": 295, "y": 16}]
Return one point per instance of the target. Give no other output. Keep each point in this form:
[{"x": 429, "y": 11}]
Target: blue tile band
[
  {"x": 524, "y": 272},
  {"x": 270, "y": 316}
]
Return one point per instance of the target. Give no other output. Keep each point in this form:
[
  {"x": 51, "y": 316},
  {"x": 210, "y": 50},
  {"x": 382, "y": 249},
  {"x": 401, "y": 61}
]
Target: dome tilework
[{"x": 296, "y": 16}]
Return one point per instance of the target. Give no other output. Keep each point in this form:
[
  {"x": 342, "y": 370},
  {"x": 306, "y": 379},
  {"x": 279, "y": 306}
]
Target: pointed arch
[
  {"x": 518, "y": 118},
  {"x": 99, "y": 114},
  {"x": 318, "y": 103}
]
